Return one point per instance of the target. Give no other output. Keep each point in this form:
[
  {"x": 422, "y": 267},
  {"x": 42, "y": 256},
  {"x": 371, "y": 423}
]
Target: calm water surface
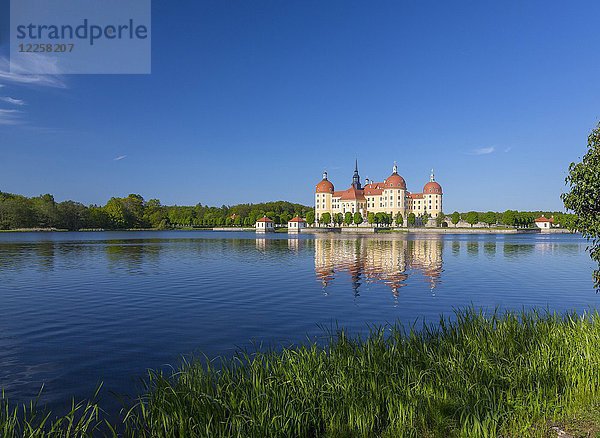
[{"x": 82, "y": 308}]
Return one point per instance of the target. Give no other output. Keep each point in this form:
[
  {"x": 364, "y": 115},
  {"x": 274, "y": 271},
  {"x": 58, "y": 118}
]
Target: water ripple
[{"x": 80, "y": 308}]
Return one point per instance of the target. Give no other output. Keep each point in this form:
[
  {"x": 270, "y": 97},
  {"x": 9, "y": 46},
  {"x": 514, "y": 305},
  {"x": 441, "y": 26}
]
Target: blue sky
[{"x": 251, "y": 101}]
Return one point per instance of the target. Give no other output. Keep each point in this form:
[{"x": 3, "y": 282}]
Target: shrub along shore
[{"x": 509, "y": 374}]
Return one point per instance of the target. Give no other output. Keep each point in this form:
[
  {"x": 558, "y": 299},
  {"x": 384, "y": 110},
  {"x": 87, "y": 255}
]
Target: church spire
[
  {"x": 432, "y": 176},
  {"x": 356, "y": 177},
  {"x": 395, "y": 168}
]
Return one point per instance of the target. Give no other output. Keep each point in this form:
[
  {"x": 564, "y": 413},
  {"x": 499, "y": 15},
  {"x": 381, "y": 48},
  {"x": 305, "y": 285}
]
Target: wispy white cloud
[
  {"x": 12, "y": 100},
  {"x": 483, "y": 151},
  {"x": 120, "y": 157},
  {"x": 19, "y": 73},
  {"x": 10, "y": 117}
]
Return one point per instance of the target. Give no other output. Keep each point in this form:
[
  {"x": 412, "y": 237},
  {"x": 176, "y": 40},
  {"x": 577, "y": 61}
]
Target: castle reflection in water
[
  {"x": 371, "y": 260},
  {"x": 378, "y": 260}
]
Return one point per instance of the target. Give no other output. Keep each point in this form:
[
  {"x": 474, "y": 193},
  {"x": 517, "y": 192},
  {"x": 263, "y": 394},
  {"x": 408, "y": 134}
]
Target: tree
[
  {"x": 16, "y": 212},
  {"x": 164, "y": 224},
  {"x": 371, "y": 218},
  {"x": 275, "y": 217},
  {"x": 564, "y": 220},
  {"x": 380, "y": 218},
  {"x": 399, "y": 219},
  {"x": 509, "y": 218},
  {"x": 134, "y": 210},
  {"x": 339, "y": 218},
  {"x": 285, "y": 217},
  {"x": 72, "y": 215},
  {"x": 310, "y": 217},
  {"x": 525, "y": 219},
  {"x": 424, "y": 218},
  {"x": 358, "y": 219},
  {"x": 584, "y": 197},
  {"x": 45, "y": 211},
  {"x": 348, "y": 218},
  {"x": 98, "y": 218},
  {"x": 440, "y": 218},
  {"x": 156, "y": 215},
  {"x": 117, "y": 214},
  {"x": 455, "y": 218},
  {"x": 185, "y": 216},
  {"x": 412, "y": 219},
  {"x": 472, "y": 218},
  {"x": 489, "y": 218},
  {"x": 325, "y": 218}
]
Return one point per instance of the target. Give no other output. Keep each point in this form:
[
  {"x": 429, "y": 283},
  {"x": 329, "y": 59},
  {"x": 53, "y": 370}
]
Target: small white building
[
  {"x": 544, "y": 223},
  {"x": 296, "y": 224},
  {"x": 264, "y": 225}
]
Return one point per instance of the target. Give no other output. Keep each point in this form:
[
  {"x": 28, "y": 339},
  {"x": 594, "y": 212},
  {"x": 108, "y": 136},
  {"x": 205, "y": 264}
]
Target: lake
[{"x": 83, "y": 308}]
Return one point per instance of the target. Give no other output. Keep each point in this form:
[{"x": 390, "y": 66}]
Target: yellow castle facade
[{"x": 389, "y": 196}]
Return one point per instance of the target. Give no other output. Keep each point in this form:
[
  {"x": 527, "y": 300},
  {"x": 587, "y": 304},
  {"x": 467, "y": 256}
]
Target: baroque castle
[{"x": 389, "y": 196}]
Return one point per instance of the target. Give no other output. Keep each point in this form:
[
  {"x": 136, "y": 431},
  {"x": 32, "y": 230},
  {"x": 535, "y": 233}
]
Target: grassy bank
[{"x": 509, "y": 375}]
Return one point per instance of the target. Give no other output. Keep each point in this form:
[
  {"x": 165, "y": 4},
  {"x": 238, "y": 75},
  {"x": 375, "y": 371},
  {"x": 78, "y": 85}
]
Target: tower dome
[
  {"x": 395, "y": 181},
  {"x": 324, "y": 186},
  {"x": 432, "y": 187}
]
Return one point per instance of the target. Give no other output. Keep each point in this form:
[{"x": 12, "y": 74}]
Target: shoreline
[
  {"x": 323, "y": 230},
  {"x": 384, "y": 230}
]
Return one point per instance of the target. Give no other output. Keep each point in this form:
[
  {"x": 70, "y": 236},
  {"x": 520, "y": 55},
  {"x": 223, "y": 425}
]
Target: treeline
[
  {"x": 133, "y": 212},
  {"x": 511, "y": 218},
  {"x": 371, "y": 218}
]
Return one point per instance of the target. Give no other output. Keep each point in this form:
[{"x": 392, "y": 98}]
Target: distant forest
[
  {"x": 133, "y": 212},
  {"x": 511, "y": 218}
]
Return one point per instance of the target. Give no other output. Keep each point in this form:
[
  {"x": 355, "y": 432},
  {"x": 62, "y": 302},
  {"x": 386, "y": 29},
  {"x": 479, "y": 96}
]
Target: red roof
[
  {"x": 395, "y": 181},
  {"x": 415, "y": 195},
  {"x": 545, "y": 219},
  {"x": 350, "y": 194},
  {"x": 433, "y": 188},
  {"x": 324, "y": 186},
  {"x": 297, "y": 219},
  {"x": 373, "y": 189},
  {"x": 264, "y": 219}
]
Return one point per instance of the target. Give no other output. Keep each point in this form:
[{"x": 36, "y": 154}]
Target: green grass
[
  {"x": 83, "y": 419},
  {"x": 510, "y": 375}
]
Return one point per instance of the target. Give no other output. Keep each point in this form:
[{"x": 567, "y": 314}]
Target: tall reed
[
  {"x": 510, "y": 374},
  {"x": 475, "y": 375}
]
